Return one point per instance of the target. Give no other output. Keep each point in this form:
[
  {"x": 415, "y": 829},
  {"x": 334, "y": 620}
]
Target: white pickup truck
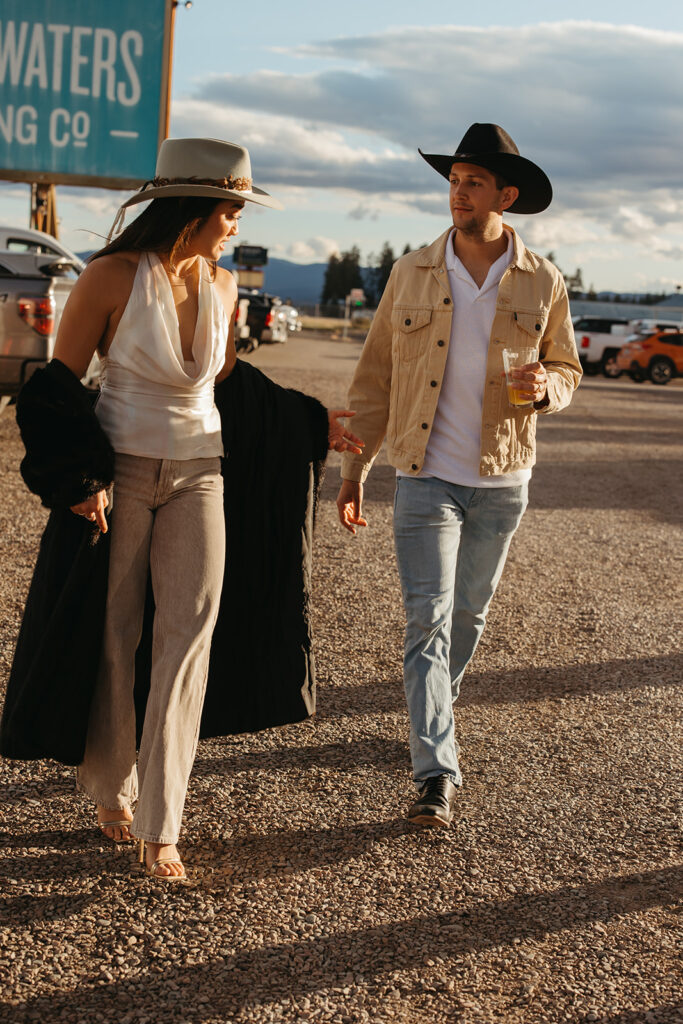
[{"x": 599, "y": 339}]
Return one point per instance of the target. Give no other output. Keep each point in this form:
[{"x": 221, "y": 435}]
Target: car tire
[
  {"x": 608, "y": 365},
  {"x": 661, "y": 370}
]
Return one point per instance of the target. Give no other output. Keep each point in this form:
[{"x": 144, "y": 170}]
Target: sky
[{"x": 333, "y": 102}]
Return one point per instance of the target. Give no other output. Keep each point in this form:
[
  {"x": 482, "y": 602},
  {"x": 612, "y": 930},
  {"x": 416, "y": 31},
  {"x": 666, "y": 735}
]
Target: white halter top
[{"x": 153, "y": 403}]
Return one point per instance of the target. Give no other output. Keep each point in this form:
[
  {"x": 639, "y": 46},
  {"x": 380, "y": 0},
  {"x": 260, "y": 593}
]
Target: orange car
[{"x": 659, "y": 357}]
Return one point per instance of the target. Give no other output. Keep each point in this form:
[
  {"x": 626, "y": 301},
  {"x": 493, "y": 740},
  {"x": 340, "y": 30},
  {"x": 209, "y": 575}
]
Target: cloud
[
  {"x": 284, "y": 150},
  {"x": 592, "y": 103},
  {"x": 363, "y": 212},
  {"x": 313, "y": 250}
]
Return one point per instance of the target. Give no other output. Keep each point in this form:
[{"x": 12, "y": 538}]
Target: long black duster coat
[{"x": 261, "y": 670}]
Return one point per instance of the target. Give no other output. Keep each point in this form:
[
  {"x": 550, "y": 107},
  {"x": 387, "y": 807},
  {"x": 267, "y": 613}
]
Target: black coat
[{"x": 261, "y": 670}]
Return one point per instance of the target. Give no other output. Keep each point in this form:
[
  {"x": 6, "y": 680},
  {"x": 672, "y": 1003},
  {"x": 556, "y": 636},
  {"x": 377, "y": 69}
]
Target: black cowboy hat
[{"x": 489, "y": 146}]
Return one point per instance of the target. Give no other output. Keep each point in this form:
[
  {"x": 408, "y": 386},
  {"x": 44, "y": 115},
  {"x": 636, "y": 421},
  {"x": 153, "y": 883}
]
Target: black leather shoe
[{"x": 435, "y": 804}]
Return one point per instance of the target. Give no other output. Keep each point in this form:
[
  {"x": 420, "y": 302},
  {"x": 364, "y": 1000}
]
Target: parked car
[
  {"x": 645, "y": 328},
  {"x": 291, "y": 316},
  {"x": 598, "y": 340},
  {"x": 28, "y": 240},
  {"x": 263, "y": 318},
  {"x": 659, "y": 356},
  {"x": 33, "y": 290}
]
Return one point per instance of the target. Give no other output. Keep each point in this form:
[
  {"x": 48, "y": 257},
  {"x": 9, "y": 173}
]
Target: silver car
[{"x": 34, "y": 286}]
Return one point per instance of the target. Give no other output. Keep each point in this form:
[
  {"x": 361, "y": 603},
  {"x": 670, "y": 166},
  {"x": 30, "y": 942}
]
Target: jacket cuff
[{"x": 353, "y": 470}]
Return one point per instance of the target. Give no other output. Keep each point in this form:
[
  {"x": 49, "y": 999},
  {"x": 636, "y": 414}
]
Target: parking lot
[{"x": 555, "y": 896}]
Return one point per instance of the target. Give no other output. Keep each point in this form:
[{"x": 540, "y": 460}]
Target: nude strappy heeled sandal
[
  {"x": 152, "y": 872},
  {"x": 116, "y": 824}
]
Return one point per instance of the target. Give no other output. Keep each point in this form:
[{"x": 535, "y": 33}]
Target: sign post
[
  {"x": 249, "y": 260},
  {"x": 84, "y": 91},
  {"x": 356, "y": 298}
]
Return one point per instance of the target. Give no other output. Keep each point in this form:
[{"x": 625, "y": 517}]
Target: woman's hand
[
  {"x": 339, "y": 439},
  {"x": 93, "y": 509}
]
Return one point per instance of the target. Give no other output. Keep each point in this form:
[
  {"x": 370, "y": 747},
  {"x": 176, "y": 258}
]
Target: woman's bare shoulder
[
  {"x": 115, "y": 263},
  {"x": 110, "y": 274},
  {"x": 106, "y": 281},
  {"x": 225, "y": 281}
]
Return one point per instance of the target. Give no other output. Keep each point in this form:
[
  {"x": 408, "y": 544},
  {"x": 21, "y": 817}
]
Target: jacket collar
[{"x": 434, "y": 255}]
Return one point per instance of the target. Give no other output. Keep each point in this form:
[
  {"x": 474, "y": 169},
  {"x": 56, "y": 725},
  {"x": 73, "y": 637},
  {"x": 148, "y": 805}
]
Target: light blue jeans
[{"x": 451, "y": 546}]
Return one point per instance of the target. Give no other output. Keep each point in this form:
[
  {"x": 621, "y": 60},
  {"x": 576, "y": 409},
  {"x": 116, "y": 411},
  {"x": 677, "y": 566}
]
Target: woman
[{"x": 159, "y": 312}]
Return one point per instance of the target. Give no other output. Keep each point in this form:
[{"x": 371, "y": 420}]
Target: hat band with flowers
[{"x": 238, "y": 184}]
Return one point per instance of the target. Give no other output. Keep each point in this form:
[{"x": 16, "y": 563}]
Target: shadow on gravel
[
  {"x": 382, "y": 754},
  {"x": 519, "y": 685},
  {"x": 607, "y": 485},
  {"x": 636, "y": 433},
  {"x": 641, "y": 393},
  {"x": 26, "y": 909},
  {"x": 62, "y": 839},
  {"x": 267, "y": 973},
  {"x": 530, "y": 684},
  {"x": 289, "y": 852},
  {"x": 672, "y": 1013}
]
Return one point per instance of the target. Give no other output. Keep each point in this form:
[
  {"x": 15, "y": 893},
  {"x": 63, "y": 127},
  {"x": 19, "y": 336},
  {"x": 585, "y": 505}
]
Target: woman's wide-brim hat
[
  {"x": 203, "y": 167},
  {"x": 490, "y": 146}
]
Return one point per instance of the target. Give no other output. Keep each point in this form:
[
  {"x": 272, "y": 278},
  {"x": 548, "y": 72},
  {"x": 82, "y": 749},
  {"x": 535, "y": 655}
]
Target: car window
[{"x": 26, "y": 245}]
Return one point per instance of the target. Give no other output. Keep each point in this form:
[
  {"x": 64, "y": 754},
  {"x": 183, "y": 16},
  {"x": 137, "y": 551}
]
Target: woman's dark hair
[{"x": 164, "y": 227}]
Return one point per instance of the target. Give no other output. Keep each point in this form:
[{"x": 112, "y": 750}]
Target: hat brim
[
  {"x": 535, "y": 190},
  {"x": 252, "y": 195}
]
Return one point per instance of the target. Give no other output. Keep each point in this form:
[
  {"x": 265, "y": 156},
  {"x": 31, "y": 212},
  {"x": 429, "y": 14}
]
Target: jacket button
[
  {"x": 424, "y": 426},
  {"x": 433, "y": 383},
  {"x": 414, "y": 466},
  {"x": 538, "y": 327},
  {"x": 441, "y": 344},
  {"x": 446, "y": 302},
  {"x": 407, "y": 322}
]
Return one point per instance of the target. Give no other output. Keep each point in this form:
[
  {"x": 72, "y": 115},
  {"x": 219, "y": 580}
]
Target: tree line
[{"x": 344, "y": 272}]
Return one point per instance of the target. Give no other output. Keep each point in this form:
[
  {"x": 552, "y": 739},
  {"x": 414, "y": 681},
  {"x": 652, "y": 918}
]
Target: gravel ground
[{"x": 556, "y": 894}]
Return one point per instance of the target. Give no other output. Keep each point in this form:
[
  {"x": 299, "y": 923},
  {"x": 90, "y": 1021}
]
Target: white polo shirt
[{"x": 453, "y": 451}]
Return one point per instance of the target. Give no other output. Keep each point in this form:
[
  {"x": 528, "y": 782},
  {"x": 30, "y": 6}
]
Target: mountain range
[{"x": 300, "y": 282}]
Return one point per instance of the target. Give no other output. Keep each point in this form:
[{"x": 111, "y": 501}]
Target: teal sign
[{"x": 83, "y": 89}]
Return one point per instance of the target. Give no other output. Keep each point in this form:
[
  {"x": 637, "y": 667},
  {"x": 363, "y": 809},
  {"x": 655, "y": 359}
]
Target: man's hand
[
  {"x": 531, "y": 381},
  {"x": 339, "y": 439},
  {"x": 349, "y": 501},
  {"x": 93, "y": 509}
]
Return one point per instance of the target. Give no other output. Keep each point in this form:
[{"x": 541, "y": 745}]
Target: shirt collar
[{"x": 496, "y": 270}]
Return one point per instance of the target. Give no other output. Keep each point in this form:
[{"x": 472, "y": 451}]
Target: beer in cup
[{"x": 514, "y": 358}]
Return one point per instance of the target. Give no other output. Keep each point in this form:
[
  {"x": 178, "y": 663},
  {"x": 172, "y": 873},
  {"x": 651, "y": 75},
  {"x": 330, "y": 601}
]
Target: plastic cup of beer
[{"x": 513, "y": 358}]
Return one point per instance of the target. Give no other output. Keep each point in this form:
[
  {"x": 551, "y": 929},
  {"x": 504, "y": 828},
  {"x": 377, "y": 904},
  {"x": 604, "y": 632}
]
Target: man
[{"x": 430, "y": 380}]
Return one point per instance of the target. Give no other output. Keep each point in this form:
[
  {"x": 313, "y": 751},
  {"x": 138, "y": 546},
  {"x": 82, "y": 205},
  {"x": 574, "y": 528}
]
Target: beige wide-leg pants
[{"x": 167, "y": 517}]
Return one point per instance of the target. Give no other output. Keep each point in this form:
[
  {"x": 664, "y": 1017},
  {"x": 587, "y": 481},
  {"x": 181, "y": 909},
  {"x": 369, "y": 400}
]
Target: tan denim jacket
[{"x": 396, "y": 385}]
